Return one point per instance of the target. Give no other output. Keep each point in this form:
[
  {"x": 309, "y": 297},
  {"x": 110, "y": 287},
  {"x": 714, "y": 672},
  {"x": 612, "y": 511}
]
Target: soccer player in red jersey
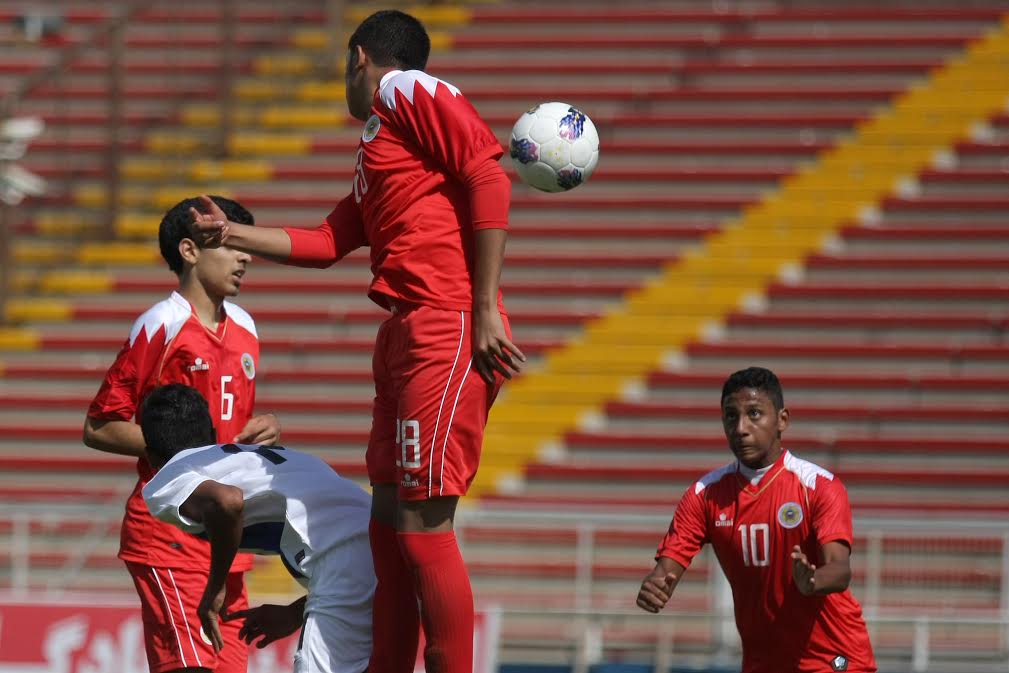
[
  {"x": 431, "y": 200},
  {"x": 781, "y": 529},
  {"x": 198, "y": 338}
]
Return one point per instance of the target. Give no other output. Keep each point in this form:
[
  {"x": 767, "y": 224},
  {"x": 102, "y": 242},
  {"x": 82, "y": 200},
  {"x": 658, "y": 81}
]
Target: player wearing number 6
[
  {"x": 265, "y": 500},
  {"x": 198, "y": 338},
  {"x": 781, "y": 529}
]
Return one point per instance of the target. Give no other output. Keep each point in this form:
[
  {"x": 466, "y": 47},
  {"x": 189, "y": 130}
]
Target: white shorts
[{"x": 336, "y": 637}]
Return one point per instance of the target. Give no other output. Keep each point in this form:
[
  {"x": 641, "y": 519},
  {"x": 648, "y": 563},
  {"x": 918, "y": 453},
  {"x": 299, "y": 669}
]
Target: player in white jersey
[{"x": 266, "y": 500}]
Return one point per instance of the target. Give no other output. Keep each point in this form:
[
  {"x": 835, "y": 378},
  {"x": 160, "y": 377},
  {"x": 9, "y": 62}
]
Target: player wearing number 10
[
  {"x": 197, "y": 338},
  {"x": 781, "y": 529}
]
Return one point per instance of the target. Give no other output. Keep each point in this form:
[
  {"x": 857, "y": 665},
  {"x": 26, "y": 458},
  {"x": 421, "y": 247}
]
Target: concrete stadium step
[
  {"x": 890, "y": 360},
  {"x": 844, "y": 388},
  {"x": 973, "y": 238},
  {"x": 905, "y": 327},
  {"x": 880, "y": 298},
  {"x": 877, "y": 420},
  {"x": 835, "y": 269},
  {"x": 834, "y": 451}
]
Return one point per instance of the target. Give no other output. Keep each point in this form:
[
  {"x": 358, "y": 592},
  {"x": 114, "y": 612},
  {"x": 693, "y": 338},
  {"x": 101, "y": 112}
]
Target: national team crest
[
  {"x": 790, "y": 515},
  {"x": 248, "y": 366},
  {"x": 371, "y": 128},
  {"x": 839, "y": 663}
]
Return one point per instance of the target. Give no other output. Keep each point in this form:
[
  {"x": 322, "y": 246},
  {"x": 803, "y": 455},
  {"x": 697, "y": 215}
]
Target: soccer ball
[{"x": 554, "y": 147}]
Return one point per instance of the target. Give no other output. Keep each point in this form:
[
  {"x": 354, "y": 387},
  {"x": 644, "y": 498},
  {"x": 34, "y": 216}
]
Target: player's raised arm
[
  {"x": 340, "y": 233},
  {"x": 219, "y": 508}
]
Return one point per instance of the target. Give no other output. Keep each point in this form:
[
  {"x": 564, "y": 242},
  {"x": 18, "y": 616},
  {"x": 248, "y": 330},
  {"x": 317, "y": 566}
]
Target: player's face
[
  {"x": 358, "y": 91},
  {"x": 753, "y": 427},
  {"x": 220, "y": 270}
]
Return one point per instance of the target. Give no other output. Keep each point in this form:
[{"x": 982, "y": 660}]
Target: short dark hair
[
  {"x": 174, "y": 418},
  {"x": 176, "y": 222},
  {"x": 757, "y": 378},
  {"x": 392, "y": 38}
]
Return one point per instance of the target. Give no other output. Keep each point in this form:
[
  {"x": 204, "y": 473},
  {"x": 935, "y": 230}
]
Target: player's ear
[
  {"x": 360, "y": 58},
  {"x": 782, "y": 420},
  {"x": 189, "y": 251}
]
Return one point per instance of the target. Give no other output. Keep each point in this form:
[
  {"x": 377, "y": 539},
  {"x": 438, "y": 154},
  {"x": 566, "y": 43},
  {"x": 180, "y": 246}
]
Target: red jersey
[
  {"x": 169, "y": 344},
  {"x": 752, "y": 530},
  {"x": 412, "y": 198}
]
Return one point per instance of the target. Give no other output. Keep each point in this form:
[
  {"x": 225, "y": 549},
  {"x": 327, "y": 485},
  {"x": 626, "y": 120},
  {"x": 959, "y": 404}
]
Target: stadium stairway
[{"x": 886, "y": 323}]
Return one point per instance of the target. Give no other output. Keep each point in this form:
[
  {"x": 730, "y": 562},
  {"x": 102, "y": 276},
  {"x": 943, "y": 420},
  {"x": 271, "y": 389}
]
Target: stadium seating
[{"x": 890, "y": 337}]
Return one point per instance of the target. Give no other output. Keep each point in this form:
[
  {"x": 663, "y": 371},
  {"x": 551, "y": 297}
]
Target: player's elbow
[
  {"x": 227, "y": 502},
  {"x": 90, "y": 434},
  {"x": 844, "y": 578}
]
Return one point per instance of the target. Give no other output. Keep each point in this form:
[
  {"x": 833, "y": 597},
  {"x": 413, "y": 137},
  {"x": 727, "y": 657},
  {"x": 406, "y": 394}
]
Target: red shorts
[
  {"x": 431, "y": 406},
  {"x": 173, "y": 637}
]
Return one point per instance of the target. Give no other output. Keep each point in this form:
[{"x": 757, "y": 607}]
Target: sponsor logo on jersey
[
  {"x": 248, "y": 366},
  {"x": 839, "y": 663},
  {"x": 199, "y": 366},
  {"x": 790, "y": 515},
  {"x": 371, "y": 128},
  {"x": 409, "y": 481},
  {"x": 723, "y": 521}
]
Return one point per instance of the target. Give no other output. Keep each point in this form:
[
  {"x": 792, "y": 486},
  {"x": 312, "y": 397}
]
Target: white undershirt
[{"x": 754, "y": 475}]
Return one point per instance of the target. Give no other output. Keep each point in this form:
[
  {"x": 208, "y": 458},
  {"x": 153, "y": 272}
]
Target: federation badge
[
  {"x": 371, "y": 128},
  {"x": 249, "y": 367},
  {"x": 839, "y": 663},
  {"x": 790, "y": 515}
]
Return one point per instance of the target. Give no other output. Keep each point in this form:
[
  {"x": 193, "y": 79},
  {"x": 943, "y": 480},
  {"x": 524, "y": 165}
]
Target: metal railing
[{"x": 918, "y": 637}]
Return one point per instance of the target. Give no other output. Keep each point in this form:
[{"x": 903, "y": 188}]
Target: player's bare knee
[{"x": 434, "y": 515}]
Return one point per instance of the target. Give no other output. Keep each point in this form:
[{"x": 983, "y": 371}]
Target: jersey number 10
[{"x": 755, "y": 554}]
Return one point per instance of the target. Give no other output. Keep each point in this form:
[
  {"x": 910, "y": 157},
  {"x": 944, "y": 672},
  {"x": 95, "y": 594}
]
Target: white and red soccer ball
[{"x": 554, "y": 147}]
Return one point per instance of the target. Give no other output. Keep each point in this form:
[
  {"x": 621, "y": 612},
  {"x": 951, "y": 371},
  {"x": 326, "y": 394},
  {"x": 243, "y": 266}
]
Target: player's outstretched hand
[
  {"x": 262, "y": 429},
  {"x": 803, "y": 572},
  {"x": 210, "y": 225},
  {"x": 493, "y": 351},
  {"x": 268, "y": 622},
  {"x": 655, "y": 591},
  {"x": 208, "y": 611}
]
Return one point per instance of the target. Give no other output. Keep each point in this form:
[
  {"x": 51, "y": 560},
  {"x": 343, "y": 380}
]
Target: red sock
[
  {"x": 395, "y": 618},
  {"x": 446, "y": 600}
]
